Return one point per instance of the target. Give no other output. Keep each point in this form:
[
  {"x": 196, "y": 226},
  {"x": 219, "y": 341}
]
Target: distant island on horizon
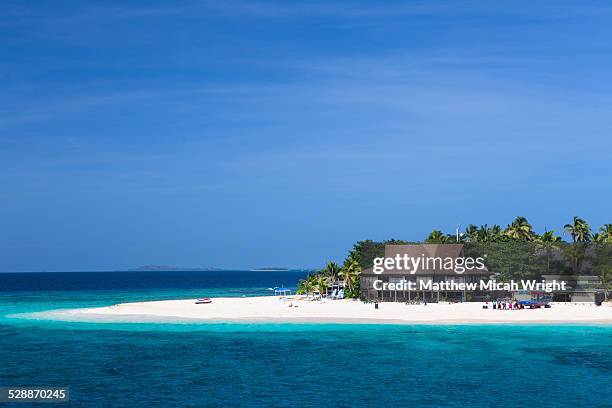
[
  {"x": 155, "y": 268},
  {"x": 171, "y": 268}
]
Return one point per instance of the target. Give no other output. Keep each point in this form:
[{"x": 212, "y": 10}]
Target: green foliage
[
  {"x": 576, "y": 254},
  {"x": 520, "y": 230},
  {"x": 605, "y": 234},
  {"x": 516, "y": 252},
  {"x": 511, "y": 260},
  {"x": 351, "y": 269},
  {"x": 602, "y": 266},
  {"x": 367, "y": 250},
  {"x": 549, "y": 236},
  {"x": 437, "y": 237},
  {"x": 579, "y": 230},
  {"x": 331, "y": 271},
  {"x": 321, "y": 283},
  {"x": 308, "y": 285}
]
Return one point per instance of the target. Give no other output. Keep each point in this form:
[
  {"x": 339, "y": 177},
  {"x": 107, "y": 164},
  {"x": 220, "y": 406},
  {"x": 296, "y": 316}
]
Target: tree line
[
  {"x": 516, "y": 251},
  {"x": 522, "y": 231}
]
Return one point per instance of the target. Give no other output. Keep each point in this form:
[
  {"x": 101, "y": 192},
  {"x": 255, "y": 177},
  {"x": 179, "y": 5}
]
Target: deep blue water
[{"x": 296, "y": 365}]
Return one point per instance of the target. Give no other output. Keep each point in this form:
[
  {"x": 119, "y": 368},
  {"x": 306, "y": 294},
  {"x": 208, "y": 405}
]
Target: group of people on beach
[{"x": 510, "y": 305}]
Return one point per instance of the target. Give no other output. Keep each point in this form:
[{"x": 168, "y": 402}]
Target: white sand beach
[{"x": 274, "y": 309}]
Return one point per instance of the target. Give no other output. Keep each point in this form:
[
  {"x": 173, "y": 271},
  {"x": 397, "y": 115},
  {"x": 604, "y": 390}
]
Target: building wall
[{"x": 583, "y": 297}]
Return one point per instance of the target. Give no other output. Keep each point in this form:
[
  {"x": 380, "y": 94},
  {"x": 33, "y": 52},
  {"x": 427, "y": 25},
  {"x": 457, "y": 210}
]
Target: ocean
[{"x": 282, "y": 365}]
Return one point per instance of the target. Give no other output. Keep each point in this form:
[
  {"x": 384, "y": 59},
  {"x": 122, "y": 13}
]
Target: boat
[{"x": 203, "y": 301}]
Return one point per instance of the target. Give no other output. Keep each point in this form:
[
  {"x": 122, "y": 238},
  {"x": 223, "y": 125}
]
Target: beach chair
[{"x": 340, "y": 294}]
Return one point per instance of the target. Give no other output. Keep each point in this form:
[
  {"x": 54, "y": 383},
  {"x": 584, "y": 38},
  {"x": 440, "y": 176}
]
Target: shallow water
[{"x": 215, "y": 364}]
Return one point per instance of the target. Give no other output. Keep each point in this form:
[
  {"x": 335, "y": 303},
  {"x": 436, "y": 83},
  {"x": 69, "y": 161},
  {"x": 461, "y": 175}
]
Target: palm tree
[
  {"x": 321, "y": 283},
  {"x": 306, "y": 286},
  {"x": 606, "y": 233},
  {"x": 547, "y": 239},
  {"x": 437, "y": 237},
  {"x": 497, "y": 232},
  {"x": 471, "y": 232},
  {"x": 549, "y": 236},
  {"x": 484, "y": 234},
  {"x": 579, "y": 230},
  {"x": 331, "y": 271},
  {"x": 520, "y": 229},
  {"x": 350, "y": 274}
]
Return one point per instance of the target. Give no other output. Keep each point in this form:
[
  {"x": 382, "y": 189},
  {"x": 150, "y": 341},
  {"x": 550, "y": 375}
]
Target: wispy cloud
[
  {"x": 351, "y": 10},
  {"x": 18, "y": 14},
  {"x": 424, "y": 87}
]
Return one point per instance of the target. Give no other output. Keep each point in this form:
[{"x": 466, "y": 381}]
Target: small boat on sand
[{"x": 202, "y": 301}]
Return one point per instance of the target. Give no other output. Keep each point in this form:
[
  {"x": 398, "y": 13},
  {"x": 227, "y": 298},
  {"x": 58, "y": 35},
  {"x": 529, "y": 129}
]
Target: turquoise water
[{"x": 203, "y": 364}]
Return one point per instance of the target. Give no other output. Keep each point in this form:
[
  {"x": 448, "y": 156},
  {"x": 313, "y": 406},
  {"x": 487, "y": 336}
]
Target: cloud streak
[{"x": 20, "y": 14}]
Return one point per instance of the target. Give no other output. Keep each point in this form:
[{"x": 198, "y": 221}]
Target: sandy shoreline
[{"x": 272, "y": 309}]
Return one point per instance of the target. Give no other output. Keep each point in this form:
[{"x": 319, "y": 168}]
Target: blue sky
[{"x": 243, "y": 134}]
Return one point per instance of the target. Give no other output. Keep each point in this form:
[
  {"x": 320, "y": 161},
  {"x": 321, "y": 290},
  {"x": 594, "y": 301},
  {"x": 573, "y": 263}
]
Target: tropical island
[{"x": 337, "y": 292}]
